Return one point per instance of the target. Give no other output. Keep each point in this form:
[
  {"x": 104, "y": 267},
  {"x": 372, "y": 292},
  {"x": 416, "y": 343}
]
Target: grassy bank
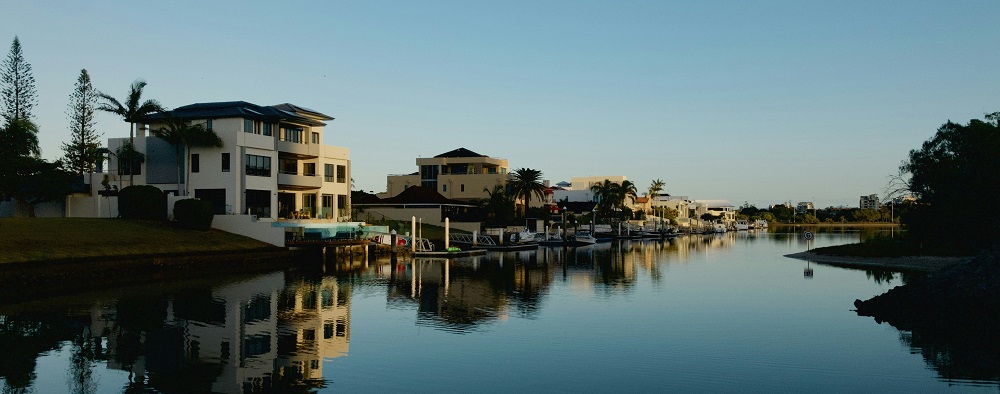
[{"x": 45, "y": 239}]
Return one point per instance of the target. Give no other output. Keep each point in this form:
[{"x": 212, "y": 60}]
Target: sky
[{"x": 761, "y": 102}]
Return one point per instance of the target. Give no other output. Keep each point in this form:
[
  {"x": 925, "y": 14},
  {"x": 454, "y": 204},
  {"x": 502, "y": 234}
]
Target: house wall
[
  {"x": 246, "y": 226},
  {"x": 395, "y": 184},
  {"x": 451, "y": 186}
]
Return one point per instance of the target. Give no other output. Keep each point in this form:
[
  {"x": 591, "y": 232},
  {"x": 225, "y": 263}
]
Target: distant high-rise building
[
  {"x": 804, "y": 207},
  {"x": 869, "y": 202}
]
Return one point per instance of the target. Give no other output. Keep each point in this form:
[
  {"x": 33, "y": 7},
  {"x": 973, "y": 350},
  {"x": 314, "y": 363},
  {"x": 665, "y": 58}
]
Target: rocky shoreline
[
  {"x": 970, "y": 289},
  {"x": 951, "y": 314}
]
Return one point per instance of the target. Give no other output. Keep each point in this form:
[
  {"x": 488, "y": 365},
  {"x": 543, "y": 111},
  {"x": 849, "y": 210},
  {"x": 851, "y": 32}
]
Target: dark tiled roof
[
  {"x": 237, "y": 109},
  {"x": 460, "y": 152},
  {"x": 421, "y": 195},
  {"x": 358, "y": 197},
  {"x": 302, "y": 110}
]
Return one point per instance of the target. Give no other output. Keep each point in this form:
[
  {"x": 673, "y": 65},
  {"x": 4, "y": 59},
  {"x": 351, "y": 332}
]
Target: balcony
[
  {"x": 294, "y": 181},
  {"x": 298, "y": 150}
]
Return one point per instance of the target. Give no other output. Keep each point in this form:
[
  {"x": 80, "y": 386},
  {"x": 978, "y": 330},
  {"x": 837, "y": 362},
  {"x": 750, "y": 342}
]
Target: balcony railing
[{"x": 299, "y": 181}]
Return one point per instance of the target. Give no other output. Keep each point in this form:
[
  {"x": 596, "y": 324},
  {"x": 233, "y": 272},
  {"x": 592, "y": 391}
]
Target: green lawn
[{"x": 42, "y": 239}]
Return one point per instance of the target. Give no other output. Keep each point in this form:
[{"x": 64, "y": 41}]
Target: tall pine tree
[
  {"x": 80, "y": 153},
  {"x": 18, "y": 85}
]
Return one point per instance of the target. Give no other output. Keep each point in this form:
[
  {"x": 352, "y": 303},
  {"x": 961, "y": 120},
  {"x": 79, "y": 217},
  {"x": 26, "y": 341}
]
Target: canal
[{"x": 706, "y": 313}]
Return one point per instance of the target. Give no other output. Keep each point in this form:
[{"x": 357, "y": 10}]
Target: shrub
[
  {"x": 193, "y": 214},
  {"x": 142, "y": 202}
]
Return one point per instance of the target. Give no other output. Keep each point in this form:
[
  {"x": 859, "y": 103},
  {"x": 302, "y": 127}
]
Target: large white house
[{"x": 273, "y": 163}]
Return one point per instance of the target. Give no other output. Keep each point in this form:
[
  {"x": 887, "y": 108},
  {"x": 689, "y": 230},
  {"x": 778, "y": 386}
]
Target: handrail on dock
[{"x": 467, "y": 239}]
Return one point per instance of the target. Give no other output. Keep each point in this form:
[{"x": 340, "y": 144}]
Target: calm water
[{"x": 721, "y": 313}]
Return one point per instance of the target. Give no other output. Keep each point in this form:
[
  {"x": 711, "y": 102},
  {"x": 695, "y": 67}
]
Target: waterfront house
[
  {"x": 273, "y": 162},
  {"x": 460, "y": 174}
]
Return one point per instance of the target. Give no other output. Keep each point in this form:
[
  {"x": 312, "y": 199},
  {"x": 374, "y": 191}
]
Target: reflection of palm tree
[
  {"x": 133, "y": 110},
  {"x": 180, "y": 133},
  {"x": 526, "y": 182}
]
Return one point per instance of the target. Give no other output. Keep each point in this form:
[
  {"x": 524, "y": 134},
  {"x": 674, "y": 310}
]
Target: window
[
  {"x": 258, "y": 165},
  {"x": 315, "y": 138},
  {"x": 309, "y": 169},
  {"x": 225, "y": 162},
  {"x": 266, "y": 129},
  {"x": 461, "y": 187},
  {"x": 328, "y": 172},
  {"x": 289, "y": 166},
  {"x": 341, "y": 174},
  {"x": 195, "y": 162},
  {"x": 247, "y": 126},
  {"x": 290, "y": 134},
  {"x": 208, "y": 124},
  {"x": 342, "y": 204},
  {"x": 444, "y": 188}
]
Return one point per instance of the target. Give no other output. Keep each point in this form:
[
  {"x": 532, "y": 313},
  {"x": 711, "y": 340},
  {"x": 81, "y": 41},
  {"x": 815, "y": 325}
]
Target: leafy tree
[
  {"x": 18, "y": 138},
  {"x": 18, "y": 85},
  {"x": 182, "y": 134},
  {"x": 782, "y": 213},
  {"x": 132, "y": 111},
  {"x": 866, "y": 215},
  {"x": 26, "y": 178},
  {"x": 525, "y": 183},
  {"x": 81, "y": 152},
  {"x": 708, "y": 217},
  {"x": 748, "y": 209},
  {"x": 955, "y": 179}
]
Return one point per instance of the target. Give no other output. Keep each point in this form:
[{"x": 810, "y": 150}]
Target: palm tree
[
  {"x": 603, "y": 192},
  {"x": 627, "y": 190},
  {"x": 133, "y": 110},
  {"x": 656, "y": 187},
  {"x": 180, "y": 133},
  {"x": 498, "y": 204},
  {"x": 526, "y": 182}
]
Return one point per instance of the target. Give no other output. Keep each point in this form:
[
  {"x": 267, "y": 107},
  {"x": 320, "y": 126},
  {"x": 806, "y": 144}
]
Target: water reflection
[
  {"x": 276, "y": 332},
  {"x": 269, "y": 332}
]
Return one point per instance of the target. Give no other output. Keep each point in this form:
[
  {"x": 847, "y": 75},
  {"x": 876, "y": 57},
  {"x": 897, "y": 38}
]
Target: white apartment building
[
  {"x": 869, "y": 202},
  {"x": 273, "y": 163}
]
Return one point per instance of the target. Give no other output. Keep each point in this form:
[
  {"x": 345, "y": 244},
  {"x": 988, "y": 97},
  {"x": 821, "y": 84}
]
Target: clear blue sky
[{"x": 747, "y": 101}]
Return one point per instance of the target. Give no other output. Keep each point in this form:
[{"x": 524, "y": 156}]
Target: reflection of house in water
[
  {"x": 234, "y": 325},
  {"x": 261, "y": 334},
  {"x": 459, "y": 295},
  {"x": 314, "y": 324}
]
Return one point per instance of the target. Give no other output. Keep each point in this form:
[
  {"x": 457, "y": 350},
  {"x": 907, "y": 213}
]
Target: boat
[
  {"x": 742, "y": 224},
  {"x": 718, "y": 228},
  {"x": 760, "y": 223},
  {"x": 581, "y": 238},
  {"x": 523, "y": 237}
]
